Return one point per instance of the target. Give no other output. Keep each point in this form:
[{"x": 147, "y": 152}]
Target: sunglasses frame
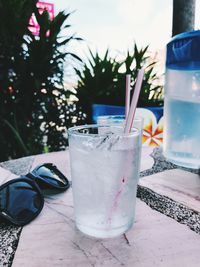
[
  {"x": 36, "y": 181},
  {"x": 34, "y": 176},
  {"x": 36, "y": 188}
]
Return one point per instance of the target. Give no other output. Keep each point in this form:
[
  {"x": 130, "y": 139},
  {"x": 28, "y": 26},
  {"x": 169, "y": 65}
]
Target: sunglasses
[{"x": 21, "y": 199}]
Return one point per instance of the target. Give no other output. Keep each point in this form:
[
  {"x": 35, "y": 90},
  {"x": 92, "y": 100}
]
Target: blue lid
[{"x": 183, "y": 51}]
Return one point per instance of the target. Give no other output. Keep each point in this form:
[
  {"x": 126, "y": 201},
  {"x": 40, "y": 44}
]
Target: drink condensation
[
  {"x": 182, "y": 135},
  {"x": 105, "y": 171}
]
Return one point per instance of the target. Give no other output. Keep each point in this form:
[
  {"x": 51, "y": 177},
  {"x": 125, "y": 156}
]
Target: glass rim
[{"x": 75, "y": 130}]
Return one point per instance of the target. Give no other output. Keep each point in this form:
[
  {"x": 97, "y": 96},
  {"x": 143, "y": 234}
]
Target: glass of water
[{"x": 105, "y": 165}]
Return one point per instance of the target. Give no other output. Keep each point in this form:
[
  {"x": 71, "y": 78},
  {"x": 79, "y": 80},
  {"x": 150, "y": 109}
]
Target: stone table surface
[{"x": 165, "y": 233}]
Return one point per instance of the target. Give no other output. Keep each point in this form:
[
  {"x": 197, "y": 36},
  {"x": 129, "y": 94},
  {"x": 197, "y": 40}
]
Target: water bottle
[{"x": 182, "y": 100}]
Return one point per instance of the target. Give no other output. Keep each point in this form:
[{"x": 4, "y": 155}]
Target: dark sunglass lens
[
  {"x": 20, "y": 202},
  {"x": 52, "y": 175}
]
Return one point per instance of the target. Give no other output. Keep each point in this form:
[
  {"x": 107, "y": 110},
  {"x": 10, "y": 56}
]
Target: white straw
[
  {"x": 128, "y": 90},
  {"x": 131, "y": 114}
]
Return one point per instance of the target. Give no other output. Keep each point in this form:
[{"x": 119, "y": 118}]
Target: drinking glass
[{"x": 105, "y": 165}]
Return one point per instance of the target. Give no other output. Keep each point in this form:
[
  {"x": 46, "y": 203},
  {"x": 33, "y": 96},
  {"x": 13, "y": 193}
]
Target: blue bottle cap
[{"x": 183, "y": 51}]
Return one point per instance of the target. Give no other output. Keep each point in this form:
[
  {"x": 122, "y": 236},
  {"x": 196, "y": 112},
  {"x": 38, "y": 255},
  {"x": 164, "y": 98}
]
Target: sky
[{"x": 117, "y": 24}]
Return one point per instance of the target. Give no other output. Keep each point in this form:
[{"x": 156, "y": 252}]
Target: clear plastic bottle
[{"x": 182, "y": 100}]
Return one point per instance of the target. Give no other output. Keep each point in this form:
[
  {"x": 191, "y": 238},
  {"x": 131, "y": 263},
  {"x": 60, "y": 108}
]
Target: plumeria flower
[{"x": 152, "y": 131}]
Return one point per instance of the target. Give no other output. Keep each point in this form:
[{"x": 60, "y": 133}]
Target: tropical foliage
[
  {"x": 34, "y": 102},
  {"x": 96, "y": 83},
  {"x": 102, "y": 80},
  {"x": 34, "y": 111}
]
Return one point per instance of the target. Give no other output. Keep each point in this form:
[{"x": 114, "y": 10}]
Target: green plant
[
  {"x": 34, "y": 109},
  {"x": 101, "y": 80},
  {"x": 96, "y": 82},
  {"x": 14, "y": 25},
  {"x": 46, "y": 60},
  {"x": 152, "y": 91}
]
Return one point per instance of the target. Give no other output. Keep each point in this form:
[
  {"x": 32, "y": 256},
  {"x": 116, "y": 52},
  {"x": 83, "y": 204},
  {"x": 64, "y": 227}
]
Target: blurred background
[{"x": 59, "y": 58}]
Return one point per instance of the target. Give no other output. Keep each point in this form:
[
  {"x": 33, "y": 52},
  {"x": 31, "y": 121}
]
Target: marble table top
[{"x": 166, "y": 230}]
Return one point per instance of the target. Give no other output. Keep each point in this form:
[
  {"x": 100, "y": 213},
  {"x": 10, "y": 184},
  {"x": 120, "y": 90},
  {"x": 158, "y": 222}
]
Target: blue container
[
  {"x": 182, "y": 100},
  {"x": 100, "y": 110}
]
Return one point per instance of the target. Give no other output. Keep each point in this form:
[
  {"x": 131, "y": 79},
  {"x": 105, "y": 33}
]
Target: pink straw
[
  {"x": 127, "y": 129},
  {"x": 131, "y": 114},
  {"x": 128, "y": 90}
]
